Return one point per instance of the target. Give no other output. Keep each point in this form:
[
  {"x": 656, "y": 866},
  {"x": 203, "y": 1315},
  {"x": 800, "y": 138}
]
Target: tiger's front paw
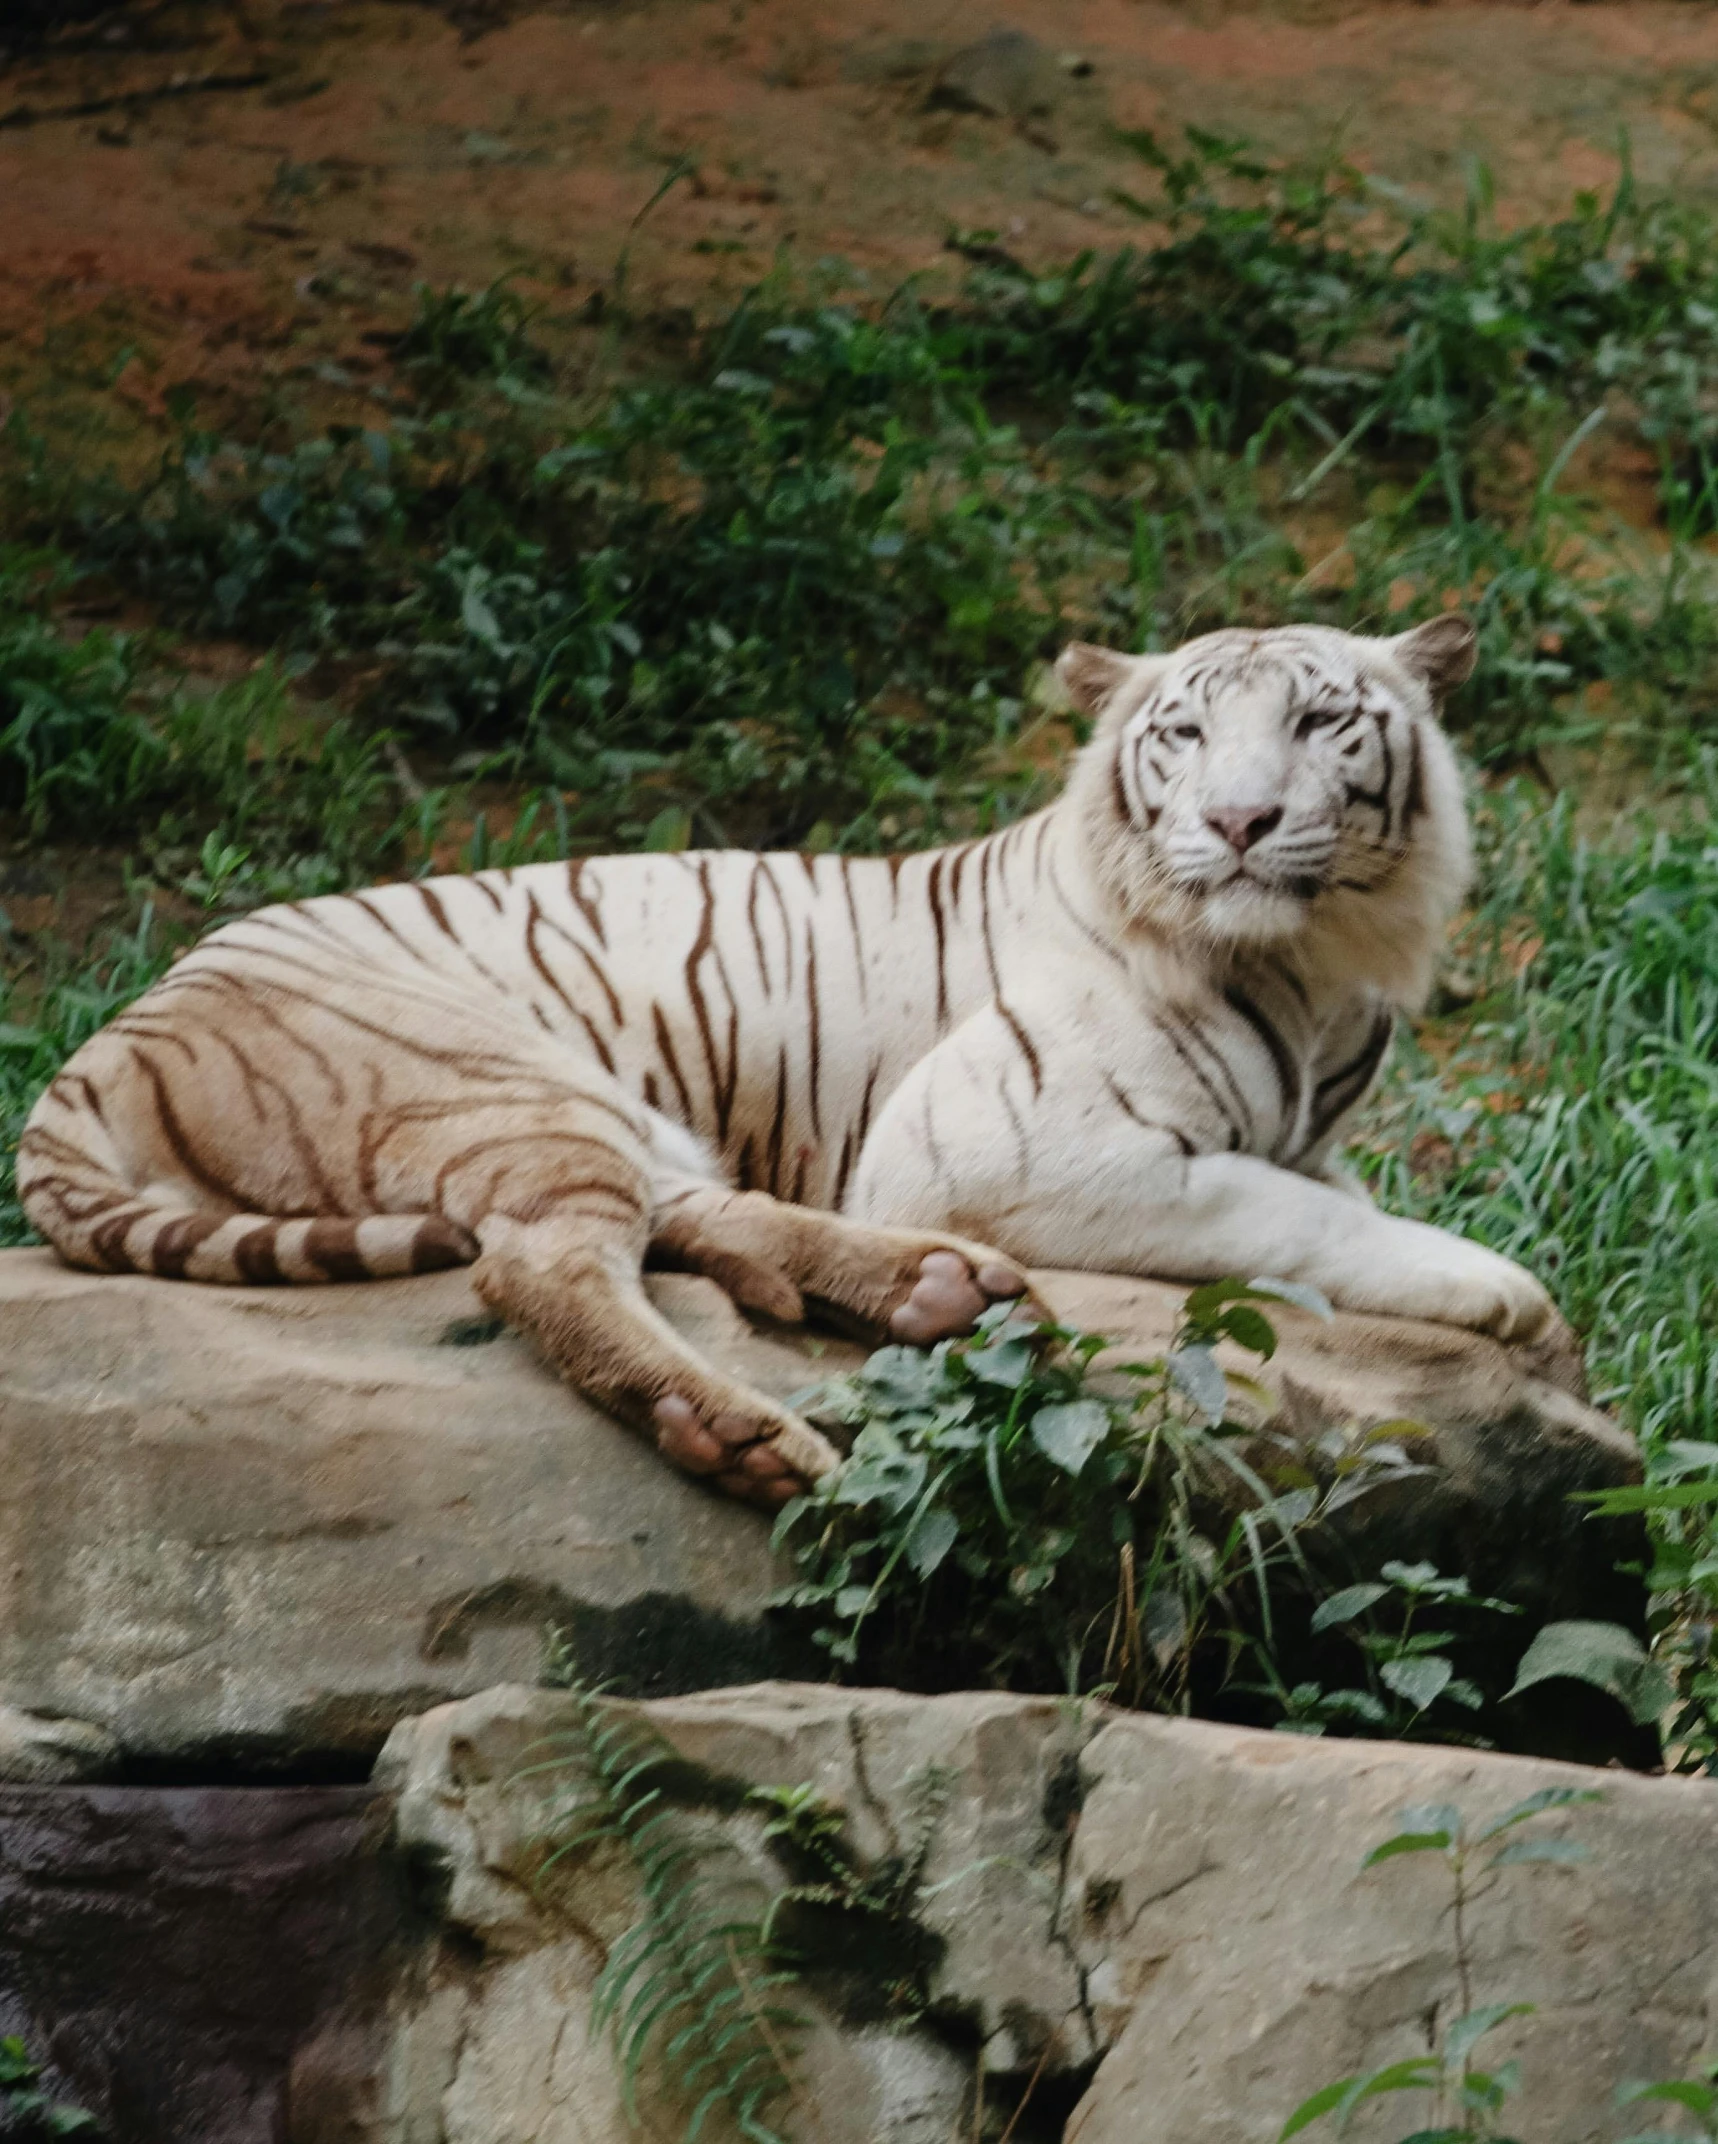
[
  {"x": 1490, "y": 1294},
  {"x": 950, "y": 1291}
]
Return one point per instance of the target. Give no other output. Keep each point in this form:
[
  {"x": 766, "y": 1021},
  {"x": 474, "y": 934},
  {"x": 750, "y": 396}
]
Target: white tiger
[{"x": 1126, "y": 1033}]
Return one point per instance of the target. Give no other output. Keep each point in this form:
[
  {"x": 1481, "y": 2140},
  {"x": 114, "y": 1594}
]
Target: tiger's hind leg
[
  {"x": 577, "y": 1289},
  {"x": 559, "y": 1196},
  {"x": 203, "y": 1137},
  {"x": 893, "y": 1283}
]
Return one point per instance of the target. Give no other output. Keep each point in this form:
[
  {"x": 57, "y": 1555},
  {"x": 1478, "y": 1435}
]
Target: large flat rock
[
  {"x": 253, "y": 1528},
  {"x": 1150, "y": 1931},
  {"x": 262, "y": 1525}
]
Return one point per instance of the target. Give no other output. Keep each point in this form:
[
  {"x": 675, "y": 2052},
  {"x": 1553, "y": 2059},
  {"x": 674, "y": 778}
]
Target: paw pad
[{"x": 949, "y": 1295}]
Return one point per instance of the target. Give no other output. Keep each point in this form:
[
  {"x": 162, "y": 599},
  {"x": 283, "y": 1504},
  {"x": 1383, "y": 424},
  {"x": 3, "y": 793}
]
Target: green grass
[
  {"x": 1575, "y": 1127},
  {"x": 799, "y": 590}
]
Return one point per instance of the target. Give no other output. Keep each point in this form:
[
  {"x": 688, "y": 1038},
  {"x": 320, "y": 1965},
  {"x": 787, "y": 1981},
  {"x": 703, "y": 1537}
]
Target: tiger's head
[{"x": 1259, "y": 789}]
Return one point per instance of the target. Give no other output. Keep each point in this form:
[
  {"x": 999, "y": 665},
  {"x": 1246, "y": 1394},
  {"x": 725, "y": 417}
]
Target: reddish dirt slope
[{"x": 228, "y": 233}]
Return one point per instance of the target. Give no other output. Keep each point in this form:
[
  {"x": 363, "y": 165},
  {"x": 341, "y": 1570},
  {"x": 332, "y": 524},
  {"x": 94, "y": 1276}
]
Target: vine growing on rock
[{"x": 1466, "y": 2098}]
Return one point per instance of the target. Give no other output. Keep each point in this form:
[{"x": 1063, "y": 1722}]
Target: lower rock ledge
[{"x": 1129, "y": 1928}]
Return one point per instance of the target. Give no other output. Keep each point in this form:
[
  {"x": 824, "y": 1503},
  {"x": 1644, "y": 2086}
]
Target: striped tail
[{"x": 94, "y": 1220}]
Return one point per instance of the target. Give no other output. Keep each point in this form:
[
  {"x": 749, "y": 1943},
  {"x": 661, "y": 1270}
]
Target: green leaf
[
  {"x": 1410, "y": 1842},
  {"x": 1420, "y": 1578},
  {"x": 1699, "y": 2098},
  {"x": 1249, "y": 1328},
  {"x": 1352, "y": 1705},
  {"x": 1005, "y": 1362},
  {"x": 1603, "y": 1654},
  {"x": 670, "y": 831},
  {"x": 1204, "y": 1302},
  {"x": 1068, "y": 1432},
  {"x": 1433, "y": 1816},
  {"x": 1649, "y": 1496},
  {"x": 933, "y": 1533},
  {"x": 1343, "y": 1607},
  {"x": 68, "y": 2121},
  {"x": 908, "y": 1376},
  {"x": 1419, "y": 2073},
  {"x": 1535, "y": 1805},
  {"x": 1539, "y": 1850},
  {"x": 477, "y": 617},
  {"x": 1465, "y": 2033},
  {"x": 1324, "y": 2101},
  {"x": 1292, "y": 1291},
  {"x": 1200, "y": 1376},
  {"x": 1420, "y": 1679},
  {"x": 16, "y": 2066}
]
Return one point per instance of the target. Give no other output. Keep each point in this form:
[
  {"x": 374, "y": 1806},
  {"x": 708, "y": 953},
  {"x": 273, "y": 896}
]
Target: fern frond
[{"x": 675, "y": 1992}]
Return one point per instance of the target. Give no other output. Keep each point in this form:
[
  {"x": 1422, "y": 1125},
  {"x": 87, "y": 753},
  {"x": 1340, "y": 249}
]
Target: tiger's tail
[{"x": 79, "y": 1201}]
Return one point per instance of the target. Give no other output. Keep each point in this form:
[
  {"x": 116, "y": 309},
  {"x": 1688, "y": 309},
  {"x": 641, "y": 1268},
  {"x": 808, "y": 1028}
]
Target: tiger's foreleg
[
  {"x": 560, "y": 1201},
  {"x": 573, "y": 1282},
  {"x": 1061, "y": 1174}
]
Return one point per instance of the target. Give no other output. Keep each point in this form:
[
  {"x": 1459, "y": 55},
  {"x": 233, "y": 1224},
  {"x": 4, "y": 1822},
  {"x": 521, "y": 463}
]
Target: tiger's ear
[
  {"x": 1441, "y": 653},
  {"x": 1091, "y": 676}
]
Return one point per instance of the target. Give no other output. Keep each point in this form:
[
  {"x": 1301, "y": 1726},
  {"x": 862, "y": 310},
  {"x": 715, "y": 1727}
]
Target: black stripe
[
  {"x": 1147, "y": 1124},
  {"x": 1282, "y": 1058},
  {"x": 933, "y": 894},
  {"x": 1027, "y": 1049},
  {"x": 1187, "y": 1058},
  {"x": 1340, "y": 1090}
]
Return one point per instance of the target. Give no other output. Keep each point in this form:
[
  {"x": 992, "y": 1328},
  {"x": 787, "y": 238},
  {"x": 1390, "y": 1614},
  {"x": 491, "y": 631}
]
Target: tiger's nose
[{"x": 1243, "y": 824}]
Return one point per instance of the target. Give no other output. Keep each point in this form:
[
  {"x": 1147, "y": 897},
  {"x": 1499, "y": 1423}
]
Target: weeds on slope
[
  {"x": 1568, "y": 1116},
  {"x": 796, "y": 592}
]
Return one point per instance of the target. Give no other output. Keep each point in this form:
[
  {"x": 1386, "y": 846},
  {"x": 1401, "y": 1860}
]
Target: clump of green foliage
[
  {"x": 99, "y": 740},
  {"x": 1467, "y": 2101},
  {"x": 856, "y": 1924},
  {"x": 793, "y": 592},
  {"x": 1406, "y": 1668},
  {"x": 59, "y": 1016},
  {"x": 472, "y": 335},
  {"x": 27, "y": 2109},
  {"x": 1696, "y": 2096},
  {"x": 1016, "y": 1512}
]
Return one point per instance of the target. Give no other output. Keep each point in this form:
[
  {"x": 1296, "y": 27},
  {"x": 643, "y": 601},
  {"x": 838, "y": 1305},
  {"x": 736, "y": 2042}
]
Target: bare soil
[{"x": 231, "y": 198}]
